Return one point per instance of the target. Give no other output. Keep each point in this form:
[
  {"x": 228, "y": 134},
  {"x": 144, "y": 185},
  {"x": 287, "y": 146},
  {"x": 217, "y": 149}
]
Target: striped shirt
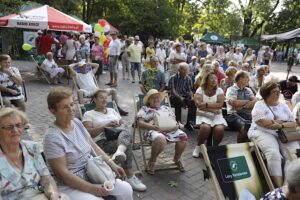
[
  {"x": 183, "y": 86},
  {"x": 56, "y": 145}
]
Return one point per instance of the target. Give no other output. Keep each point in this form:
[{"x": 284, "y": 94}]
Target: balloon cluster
[{"x": 101, "y": 28}]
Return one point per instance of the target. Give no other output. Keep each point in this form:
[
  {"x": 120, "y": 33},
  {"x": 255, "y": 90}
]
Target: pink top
[{"x": 97, "y": 52}]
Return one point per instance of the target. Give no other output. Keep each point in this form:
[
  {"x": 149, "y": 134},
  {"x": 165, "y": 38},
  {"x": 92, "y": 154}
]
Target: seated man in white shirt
[{"x": 83, "y": 73}]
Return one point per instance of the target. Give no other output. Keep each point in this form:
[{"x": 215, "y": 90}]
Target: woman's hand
[
  {"x": 119, "y": 171},
  {"x": 99, "y": 190},
  {"x": 114, "y": 123}
]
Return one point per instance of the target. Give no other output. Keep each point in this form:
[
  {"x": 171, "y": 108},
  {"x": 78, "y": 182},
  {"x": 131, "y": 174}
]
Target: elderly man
[
  {"x": 152, "y": 78},
  {"x": 134, "y": 52},
  {"x": 175, "y": 58},
  {"x": 83, "y": 73},
  {"x": 240, "y": 102},
  {"x": 114, "y": 51},
  {"x": 181, "y": 94}
]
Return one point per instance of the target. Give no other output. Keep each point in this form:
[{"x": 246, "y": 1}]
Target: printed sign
[
  {"x": 29, "y": 37},
  {"x": 233, "y": 169}
]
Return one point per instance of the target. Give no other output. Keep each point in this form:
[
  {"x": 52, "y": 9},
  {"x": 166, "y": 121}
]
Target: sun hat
[{"x": 152, "y": 92}]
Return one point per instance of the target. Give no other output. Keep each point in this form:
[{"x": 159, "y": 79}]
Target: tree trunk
[{"x": 83, "y": 10}]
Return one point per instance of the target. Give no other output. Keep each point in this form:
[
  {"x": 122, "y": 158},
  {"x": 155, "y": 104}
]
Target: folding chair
[
  {"x": 235, "y": 169},
  {"x": 40, "y": 70},
  {"x": 166, "y": 163},
  {"x": 76, "y": 87},
  {"x": 1, "y": 101},
  {"x": 292, "y": 153}
]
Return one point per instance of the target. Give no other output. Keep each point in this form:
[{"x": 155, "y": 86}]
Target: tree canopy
[{"x": 172, "y": 18}]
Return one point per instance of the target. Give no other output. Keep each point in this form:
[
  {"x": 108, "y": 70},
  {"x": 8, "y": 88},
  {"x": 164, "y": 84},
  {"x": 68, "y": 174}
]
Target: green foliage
[{"x": 10, "y": 6}]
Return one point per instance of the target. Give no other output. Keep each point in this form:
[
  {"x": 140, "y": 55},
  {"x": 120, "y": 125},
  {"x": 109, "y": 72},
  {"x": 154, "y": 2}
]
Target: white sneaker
[
  {"x": 136, "y": 184},
  {"x": 196, "y": 152}
]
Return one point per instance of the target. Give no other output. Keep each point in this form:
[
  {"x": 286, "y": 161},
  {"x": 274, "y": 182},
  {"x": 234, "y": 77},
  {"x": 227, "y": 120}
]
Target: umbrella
[
  {"x": 45, "y": 17},
  {"x": 212, "y": 38}
]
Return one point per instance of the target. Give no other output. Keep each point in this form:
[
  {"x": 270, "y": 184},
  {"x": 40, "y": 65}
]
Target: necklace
[{"x": 14, "y": 161}]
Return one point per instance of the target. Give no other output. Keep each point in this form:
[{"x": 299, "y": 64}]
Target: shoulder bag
[
  {"x": 97, "y": 170},
  {"x": 164, "y": 120},
  {"x": 286, "y": 135}
]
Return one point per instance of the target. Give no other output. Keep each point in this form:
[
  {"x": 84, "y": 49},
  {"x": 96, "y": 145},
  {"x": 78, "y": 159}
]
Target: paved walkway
[{"x": 190, "y": 185}]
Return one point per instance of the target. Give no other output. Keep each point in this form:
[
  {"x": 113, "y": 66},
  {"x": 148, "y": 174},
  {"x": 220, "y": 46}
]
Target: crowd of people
[{"x": 219, "y": 86}]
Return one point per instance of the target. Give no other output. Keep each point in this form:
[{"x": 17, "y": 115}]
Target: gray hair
[
  {"x": 183, "y": 65},
  {"x": 8, "y": 112},
  {"x": 293, "y": 175}
]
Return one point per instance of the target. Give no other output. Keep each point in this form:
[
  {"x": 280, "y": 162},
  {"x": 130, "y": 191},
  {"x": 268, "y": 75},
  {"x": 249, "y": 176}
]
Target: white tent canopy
[{"x": 281, "y": 37}]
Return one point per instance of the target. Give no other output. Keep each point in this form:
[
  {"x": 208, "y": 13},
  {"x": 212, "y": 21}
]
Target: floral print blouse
[
  {"x": 13, "y": 182},
  {"x": 276, "y": 194}
]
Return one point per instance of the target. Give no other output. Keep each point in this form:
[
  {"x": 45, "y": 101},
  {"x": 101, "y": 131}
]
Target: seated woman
[
  {"x": 101, "y": 117},
  {"x": 157, "y": 137},
  {"x": 291, "y": 191},
  {"x": 269, "y": 115},
  {"x": 67, "y": 161},
  {"x": 18, "y": 181},
  {"x": 51, "y": 67},
  {"x": 10, "y": 83},
  {"x": 209, "y": 99},
  {"x": 229, "y": 80}
]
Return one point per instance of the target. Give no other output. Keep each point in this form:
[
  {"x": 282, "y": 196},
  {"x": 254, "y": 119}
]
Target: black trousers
[{"x": 178, "y": 104}]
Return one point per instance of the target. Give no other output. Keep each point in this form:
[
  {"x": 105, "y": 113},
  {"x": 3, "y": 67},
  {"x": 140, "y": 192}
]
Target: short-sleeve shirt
[
  {"x": 276, "y": 194},
  {"x": 295, "y": 98},
  {"x": 135, "y": 53},
  {"x": 262, "y": 111},
  {"x": 86, "y": 81},
  {"x": 101, "y": 119},
  {"x": 83, "y": 52},
  {"x": 287, "y": 91},
  {"x": 235, "y": 93},
  {"x": 46, "y": 42},
  {"x": 152, "y": 79},
  {"x": 183, "y": 86},
  {"x": 97, "y": 52},
  {"x": 5, "y": 81},
  {"x": 12, "y": 182},
  {"x": 57, "y": 145}
]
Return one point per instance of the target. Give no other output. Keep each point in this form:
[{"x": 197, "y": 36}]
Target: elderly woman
[
  {"x": 23, "y": 171},
  {"x": 229, "y": 80},
  {"x": 51, "y": 67},
  {"x": 291, "y": 191},
  {"x": 269, "y": 115},
  {"x": 67, "y": 161},
  {"x": 209, "y": 100},
  {"x": 155, "y": 135},
  {"x": 100, "y": 118},
  {"x": 10, "y": 83},
  {"x": 257, "y": 80}
]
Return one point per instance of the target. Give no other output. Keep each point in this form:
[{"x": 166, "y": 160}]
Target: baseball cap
[{"x": 294, "y": 79}]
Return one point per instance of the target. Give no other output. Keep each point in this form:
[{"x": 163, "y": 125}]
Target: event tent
[
  {"x": 251, "y": 42},
  {"x": 213, "y": 38},
  {"x": 282, "y": 37},
  {"x": 44, "y": 17}
]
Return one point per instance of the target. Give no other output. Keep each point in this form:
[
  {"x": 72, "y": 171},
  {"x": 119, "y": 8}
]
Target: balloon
[
  {"x": 106, "y": 28},
  {"x": 97, "y": 28},
  {"x": 102, "y": 39},
  {"x": 106, "y": 51},
  {"x": 102, "y": 22},
  {"x": 26, "y": 47}
]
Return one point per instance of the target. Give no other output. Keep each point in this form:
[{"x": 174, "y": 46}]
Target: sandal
[
  {"x": 150, "y": 168},
  {"x": 180, "y": 166}
]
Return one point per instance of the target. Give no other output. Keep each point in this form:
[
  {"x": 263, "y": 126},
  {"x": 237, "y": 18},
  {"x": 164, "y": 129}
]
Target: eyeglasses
[{"x": 11, "y": 127}]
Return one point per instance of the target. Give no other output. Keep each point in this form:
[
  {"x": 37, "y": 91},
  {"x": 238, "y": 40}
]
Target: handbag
[
  {"x": 286, "y": 135},
  {"x": 208, "y": 115},
  {"x": 12, "y": 87},
  {"x": 112, "y": 133},
  {"x": 164, "y": 120},
  {"x": 97, "y": 170}
]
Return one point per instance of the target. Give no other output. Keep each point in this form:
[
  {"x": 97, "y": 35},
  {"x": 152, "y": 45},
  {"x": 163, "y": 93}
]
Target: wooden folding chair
[
  {"x": 1, "y": 101},
  {"x": 235, "y": 169},
  {"x": 166, "y": 163},
  {"x": 40, "y": 70}
]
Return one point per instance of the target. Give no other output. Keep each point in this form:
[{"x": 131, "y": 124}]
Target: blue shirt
[{"x": 183, "y": 86}]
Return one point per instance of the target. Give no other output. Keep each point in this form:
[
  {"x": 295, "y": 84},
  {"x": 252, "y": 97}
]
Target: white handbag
[
  {"x": 97, "y": 170},
  {"x": 164, "y": 120}
]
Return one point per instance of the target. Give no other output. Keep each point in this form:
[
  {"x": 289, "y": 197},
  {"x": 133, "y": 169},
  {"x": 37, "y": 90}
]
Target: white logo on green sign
[{"x": 233, "y": 169}]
